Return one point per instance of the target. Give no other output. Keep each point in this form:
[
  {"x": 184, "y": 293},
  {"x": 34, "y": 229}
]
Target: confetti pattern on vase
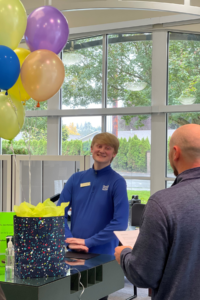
[{"x": 39, "y": 247}]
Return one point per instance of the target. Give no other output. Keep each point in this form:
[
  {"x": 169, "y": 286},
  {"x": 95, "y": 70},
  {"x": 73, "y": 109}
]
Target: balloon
[
  {"x": 11, "y": 116},
  {"x": 9, "y": 66},
  {"x": 13, "y": 22},
  {"x": 47, "y": 28},
  {"x": 42, "y": 74},
  {"x": 18, "y": 90}
]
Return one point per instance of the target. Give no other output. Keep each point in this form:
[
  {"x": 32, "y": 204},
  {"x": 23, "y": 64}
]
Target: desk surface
[{"x": 74, "y": 268}]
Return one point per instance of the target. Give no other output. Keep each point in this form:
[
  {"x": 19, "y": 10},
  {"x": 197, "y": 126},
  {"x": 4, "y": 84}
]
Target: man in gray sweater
[{"x": 166, "y": 256}]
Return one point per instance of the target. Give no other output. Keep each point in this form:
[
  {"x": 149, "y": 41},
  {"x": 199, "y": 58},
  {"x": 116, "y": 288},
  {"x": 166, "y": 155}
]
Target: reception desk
[{"x": 100, "y": 275}]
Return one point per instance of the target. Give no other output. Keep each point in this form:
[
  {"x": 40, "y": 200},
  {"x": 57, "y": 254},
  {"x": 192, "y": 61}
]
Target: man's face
[
  {"x": 102, "y": 153},
  {"x": 172, "y": 161}
]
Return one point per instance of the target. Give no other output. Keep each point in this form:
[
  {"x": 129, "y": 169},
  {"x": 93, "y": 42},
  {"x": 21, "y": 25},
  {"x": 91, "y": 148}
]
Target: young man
[{"x": 98, "y": 199}]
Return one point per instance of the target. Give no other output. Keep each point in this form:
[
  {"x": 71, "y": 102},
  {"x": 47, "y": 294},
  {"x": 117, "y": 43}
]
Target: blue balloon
[{"x": 9, "y": 68}]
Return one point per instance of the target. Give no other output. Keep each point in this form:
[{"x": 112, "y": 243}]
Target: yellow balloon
[
  {"x": 17, "y": 89},
  {"x": 13, "y": 22},
  {"x": 12, "y": 116},
  {"x": 42, "y": 74}
]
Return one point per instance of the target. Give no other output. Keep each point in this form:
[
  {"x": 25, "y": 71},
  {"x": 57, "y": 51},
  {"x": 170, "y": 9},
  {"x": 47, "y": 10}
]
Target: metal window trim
[
  {"x": 137, "y": 177},
  {"x": 7, "y": 158}
]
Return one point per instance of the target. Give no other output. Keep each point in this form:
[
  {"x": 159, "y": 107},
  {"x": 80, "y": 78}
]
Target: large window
[
  {"x": 77, "y": 134},
  {"x": 175, "y": 120},
  {"x": 32, "y": 140},
  {"x": 108, "y": 86},
  {"x": 138, "y": 187},
  {"x": 83, "y": 74},
  {"x": 31, "y": 105},
  {"x": 134, "y": 133},
  {"x": 184, "y": 65},
  {"x": 129, "y": 70}
]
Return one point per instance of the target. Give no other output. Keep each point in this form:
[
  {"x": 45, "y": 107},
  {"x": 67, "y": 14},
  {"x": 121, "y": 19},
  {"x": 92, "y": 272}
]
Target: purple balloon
[{"x": 47, "y": 28}]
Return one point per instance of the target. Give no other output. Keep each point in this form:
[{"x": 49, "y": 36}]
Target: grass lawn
[{"x": 142, "y": 195}]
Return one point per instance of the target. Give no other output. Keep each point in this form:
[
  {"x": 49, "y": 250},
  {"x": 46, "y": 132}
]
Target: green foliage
[
  {"x": 136, "y": 154},
  {"x": 86, "y": 147},
  {"x": 132, "y": 154},
  {"x": 21, "y": 147},
  {"x": 14, "y": 147},
  {"x": 65, "y": 133},
  {"x": 73, "y": 147}
]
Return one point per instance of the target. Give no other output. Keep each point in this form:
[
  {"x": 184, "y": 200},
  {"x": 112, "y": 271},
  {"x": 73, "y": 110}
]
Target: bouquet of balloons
[{"x": 36, "y": 73}]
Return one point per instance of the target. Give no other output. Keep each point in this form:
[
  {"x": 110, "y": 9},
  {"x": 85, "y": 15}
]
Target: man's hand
[
  {"x": 78, "y": 247},
  {"x": 75, "y": 241},
  {"x": 118, "y": 251}
]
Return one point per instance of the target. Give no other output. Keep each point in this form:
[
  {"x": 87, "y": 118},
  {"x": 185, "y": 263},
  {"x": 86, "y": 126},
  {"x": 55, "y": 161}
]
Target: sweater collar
[
  {"x": 102, "y": 171},
  {"x": 189, "y": 174}
]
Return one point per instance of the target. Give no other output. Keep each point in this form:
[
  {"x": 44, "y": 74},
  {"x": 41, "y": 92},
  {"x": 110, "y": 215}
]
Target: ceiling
[{"x": 87, "y": 17}]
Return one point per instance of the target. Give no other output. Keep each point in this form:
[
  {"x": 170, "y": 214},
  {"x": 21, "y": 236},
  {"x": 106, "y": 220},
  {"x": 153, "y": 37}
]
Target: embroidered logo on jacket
[{"x": 105, "y": 187}]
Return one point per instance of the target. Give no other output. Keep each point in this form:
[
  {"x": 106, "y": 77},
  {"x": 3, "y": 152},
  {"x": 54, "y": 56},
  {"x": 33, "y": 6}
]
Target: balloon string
[
  {"x": 14, "y": 108},
  {"x": 29, "y": 152},
  {"x": 28, "y": 148},
  {"x": 29, "y": 164},
  {"x": 14, "y": 157},
  {"x": 19, "y": 90}
]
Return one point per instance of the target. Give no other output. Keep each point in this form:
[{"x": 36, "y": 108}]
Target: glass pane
[
  {"x": 35, "y": 173},
  {"x": 141, "y": 188},
  {"x": 47, "y": 178},
  {"x": 31, "y": 140},
  {"x": 31, "y": 105},
  {"x": 77, "y": 134},
  {"x": 183, "y": 66},
  {"x": 55, "y": 175},
  {"x": 129, "y": 70},
  {"x": 134, "y": 134},
  {"x": 168, "y": 184},
  {"x": 4, "y": 184},
  {"x": 175, "y": 120},
  {"x": 82, "y": 87}
]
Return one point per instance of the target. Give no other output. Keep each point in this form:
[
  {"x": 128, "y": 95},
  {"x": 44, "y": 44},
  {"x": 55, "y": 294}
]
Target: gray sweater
[{"x": 166, "y": 256}]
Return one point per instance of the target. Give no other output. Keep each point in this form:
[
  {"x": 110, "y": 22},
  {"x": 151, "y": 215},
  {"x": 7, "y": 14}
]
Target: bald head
[{"x": 187, "y": 138}]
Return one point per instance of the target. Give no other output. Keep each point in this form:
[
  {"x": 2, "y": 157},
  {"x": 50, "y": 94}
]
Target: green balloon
[
  {"x": 12, "y": 116},
  {"x": 13, "y": 21}
]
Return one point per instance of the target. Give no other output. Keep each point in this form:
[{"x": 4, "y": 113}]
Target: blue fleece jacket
[{"x": 99, "y": 206}]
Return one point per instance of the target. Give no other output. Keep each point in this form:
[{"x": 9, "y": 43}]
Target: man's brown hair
[{"x": 106, "y": 138}]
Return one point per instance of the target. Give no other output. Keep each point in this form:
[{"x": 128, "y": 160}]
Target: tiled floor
[{"x": 127, "y": 291}]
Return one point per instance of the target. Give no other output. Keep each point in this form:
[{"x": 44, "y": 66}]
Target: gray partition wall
[
  {"x": 37, "y": 178},
  {"x": 54, "y": 176},
  {"x": 5, "y": 182}
]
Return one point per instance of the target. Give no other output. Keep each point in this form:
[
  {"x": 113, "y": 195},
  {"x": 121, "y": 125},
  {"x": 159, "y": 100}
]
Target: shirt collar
[
  {"x": 102, "y": 171},
  {"x": 189, "y": 174}
]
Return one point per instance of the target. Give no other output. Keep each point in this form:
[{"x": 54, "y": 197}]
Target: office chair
[
  {"x": 137, "y": 211},
  {"x": 55, "y": 197}
]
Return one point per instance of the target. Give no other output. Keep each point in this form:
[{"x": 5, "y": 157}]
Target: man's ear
[
  {"x": 91, "y": 149},
  {"x": 177, "y": 152}
]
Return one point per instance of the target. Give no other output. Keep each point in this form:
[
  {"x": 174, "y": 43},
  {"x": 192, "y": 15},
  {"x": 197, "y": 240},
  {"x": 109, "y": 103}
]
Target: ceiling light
[
  {"x": 135, "y": 86},
  {"x": 187, "y": 100}
]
